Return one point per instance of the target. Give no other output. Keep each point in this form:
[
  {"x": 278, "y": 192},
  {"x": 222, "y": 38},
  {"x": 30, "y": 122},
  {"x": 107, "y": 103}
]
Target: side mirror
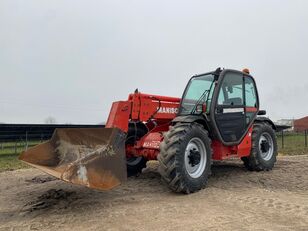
[
  {"x": 200, "y": 108},
  {"x": 262, "y": 112}
]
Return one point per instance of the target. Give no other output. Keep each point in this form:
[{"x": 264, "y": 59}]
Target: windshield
[{"x": 198, "y": 91}]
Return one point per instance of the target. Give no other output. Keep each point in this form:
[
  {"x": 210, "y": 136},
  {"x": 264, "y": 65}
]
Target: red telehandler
[{"x": 218, "y": 117}]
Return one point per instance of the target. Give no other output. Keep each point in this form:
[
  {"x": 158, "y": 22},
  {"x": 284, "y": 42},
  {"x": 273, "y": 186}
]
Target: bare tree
[{"x": 50, "y": 120}]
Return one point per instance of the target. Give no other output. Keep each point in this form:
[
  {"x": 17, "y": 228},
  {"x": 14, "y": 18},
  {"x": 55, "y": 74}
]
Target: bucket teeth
[{"x": 93, "y": 157}]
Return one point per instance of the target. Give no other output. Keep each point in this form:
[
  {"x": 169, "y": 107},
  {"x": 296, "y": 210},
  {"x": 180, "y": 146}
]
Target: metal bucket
[{"x": 93, "y": 157}]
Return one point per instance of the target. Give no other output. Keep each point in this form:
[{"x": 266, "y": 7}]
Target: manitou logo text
[{"x": 168, "y": 110}]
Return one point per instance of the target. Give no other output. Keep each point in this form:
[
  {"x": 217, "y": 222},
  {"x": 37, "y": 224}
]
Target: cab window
[
  {"x": 231, "y": 92},
  {"x": 250, "y": 93}
]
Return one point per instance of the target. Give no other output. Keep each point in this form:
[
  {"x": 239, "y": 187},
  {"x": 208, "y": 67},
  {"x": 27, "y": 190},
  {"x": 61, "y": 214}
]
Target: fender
[
  {"x": 201, "y": 119},
  {"x": 261, "y": 119}
]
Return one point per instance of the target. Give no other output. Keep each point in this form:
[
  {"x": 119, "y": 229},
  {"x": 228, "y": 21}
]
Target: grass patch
[
  {"x": 9, "y": 156},
  {"x": 294, "y": 144},
  {"x": 293, "y": 151},
  {"x": 9, "y": 162}
]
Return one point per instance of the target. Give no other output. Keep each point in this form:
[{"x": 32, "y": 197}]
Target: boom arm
[{"x": 142, "y": 108}]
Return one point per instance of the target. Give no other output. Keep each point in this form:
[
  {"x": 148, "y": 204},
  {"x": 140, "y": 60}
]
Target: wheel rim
[
  {"x": 266, "y": 146},
  {"x": 195, "y": 157}
]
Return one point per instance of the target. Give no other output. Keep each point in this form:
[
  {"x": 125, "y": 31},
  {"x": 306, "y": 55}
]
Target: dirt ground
[{"x": 235, "y": 199}]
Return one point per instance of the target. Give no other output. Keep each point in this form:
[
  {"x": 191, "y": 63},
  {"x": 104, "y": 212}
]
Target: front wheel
[
  {"x": 185, "y": 157},
  {"x": 264, "y": 148}
]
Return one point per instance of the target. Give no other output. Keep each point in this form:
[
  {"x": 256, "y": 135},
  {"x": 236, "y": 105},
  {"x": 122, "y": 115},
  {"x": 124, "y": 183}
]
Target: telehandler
[{"x": 217, "y": 118}]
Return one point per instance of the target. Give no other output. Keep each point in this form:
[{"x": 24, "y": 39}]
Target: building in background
[
  {"x": 286, "y": 122},
  {"x": 301, "y": 125}
]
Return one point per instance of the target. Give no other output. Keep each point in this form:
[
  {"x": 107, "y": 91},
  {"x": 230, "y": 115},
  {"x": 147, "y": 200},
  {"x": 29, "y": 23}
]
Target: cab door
[{"x": 232, "y": 114}]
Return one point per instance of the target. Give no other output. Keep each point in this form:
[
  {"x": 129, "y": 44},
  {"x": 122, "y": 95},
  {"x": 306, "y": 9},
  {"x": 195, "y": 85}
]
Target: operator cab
[{"x": 226, "y": 99}]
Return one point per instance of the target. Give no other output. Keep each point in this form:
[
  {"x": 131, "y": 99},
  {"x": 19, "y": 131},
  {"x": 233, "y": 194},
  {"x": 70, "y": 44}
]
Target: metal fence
[
  {"x": 16, "y": 147},
  {"x": 15, "y": 138},
  {"x": 292, "y": 139}
]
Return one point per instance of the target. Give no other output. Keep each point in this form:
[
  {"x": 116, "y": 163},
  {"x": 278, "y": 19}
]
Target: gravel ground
[{"x": 235, "y": 199}]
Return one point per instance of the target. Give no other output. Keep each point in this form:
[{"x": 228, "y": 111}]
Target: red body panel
[
  {"x": 251, "y": 109},
  {"x": 244, "y": 147},
  {"x": 156, "y": 112},
  {"x": 146, "y": 107},
  {"x": 119, "y": 115},
  {"x": 221, "y": 152},
  {"x": 148, "y": 146}
]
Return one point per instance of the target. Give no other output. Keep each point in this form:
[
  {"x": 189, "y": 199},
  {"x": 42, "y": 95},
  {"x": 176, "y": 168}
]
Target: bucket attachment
[{"x": 93, "y": 157}]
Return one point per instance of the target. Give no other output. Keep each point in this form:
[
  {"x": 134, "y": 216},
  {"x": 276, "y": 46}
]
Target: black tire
[
  {"x": 260, "y": 157},
  {"x": 135, "y": 165},
  {"x": 173, "y": 157}
]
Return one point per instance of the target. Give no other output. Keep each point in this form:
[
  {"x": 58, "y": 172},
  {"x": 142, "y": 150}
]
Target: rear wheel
[
  {"x": 264, "y": 148},
  {"x": 135, "y": 164},
  {"x": 185, "y": 157}
]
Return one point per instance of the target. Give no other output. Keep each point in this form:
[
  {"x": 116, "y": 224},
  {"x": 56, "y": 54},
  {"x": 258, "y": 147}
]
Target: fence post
[
  {"x": 282, "y": 139},
  {"x": 306, "y": 138},
  {"x": 15, "y": 146},
  {"x": 26, "y": 140}
]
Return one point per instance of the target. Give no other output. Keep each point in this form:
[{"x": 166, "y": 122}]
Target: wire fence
[
  {"x": 17, "y": 146},
  {"x": 291, "y": 142},
  {"x": 15, "y": 138},
  {"x": 13, "y": 142}
]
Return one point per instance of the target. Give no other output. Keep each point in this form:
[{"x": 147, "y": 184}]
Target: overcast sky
[{"x": 72, "y": 59}]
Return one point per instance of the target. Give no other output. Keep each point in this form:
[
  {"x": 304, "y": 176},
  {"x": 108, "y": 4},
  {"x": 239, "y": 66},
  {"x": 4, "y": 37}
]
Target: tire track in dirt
[{"x": 235, "y": 199}]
